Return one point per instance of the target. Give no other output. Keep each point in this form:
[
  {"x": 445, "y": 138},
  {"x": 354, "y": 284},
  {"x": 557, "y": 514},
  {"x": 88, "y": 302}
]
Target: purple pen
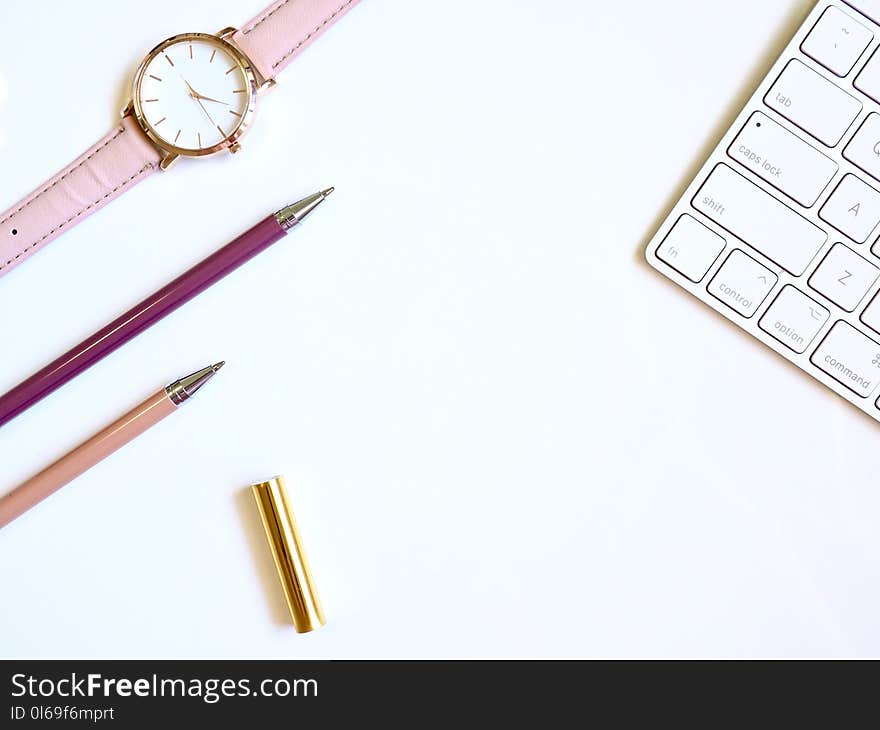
[{"x": 156, "y": 307}]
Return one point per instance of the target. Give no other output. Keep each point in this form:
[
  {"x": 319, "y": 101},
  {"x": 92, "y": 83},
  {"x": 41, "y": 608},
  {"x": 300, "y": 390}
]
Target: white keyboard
[{"x": 779, "y": 230}]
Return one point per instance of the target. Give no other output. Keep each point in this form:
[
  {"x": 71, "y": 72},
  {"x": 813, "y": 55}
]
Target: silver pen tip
[
  {"x": 295, "y": 213},
  {"x": 182, "y": 390}
]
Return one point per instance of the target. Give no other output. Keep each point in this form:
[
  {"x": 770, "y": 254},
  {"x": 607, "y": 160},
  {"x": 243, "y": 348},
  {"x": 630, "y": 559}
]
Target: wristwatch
[{"x": 194, "y": 94}]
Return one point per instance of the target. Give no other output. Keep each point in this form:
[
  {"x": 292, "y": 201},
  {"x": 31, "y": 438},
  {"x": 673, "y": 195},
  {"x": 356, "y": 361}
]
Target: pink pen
[{"x": 125, "y": 429}]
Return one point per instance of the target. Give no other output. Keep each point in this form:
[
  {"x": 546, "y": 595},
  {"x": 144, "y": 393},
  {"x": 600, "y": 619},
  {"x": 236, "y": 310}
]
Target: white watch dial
[{"x": 193, "y": 94}]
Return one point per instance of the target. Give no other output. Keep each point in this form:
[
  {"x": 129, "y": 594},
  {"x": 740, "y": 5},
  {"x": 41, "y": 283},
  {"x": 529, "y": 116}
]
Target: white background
[{"x": 504, "y": 435}]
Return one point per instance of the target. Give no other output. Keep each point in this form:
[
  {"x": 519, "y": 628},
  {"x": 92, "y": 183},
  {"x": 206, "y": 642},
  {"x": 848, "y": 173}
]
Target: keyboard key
[
  {"x": 742, "y": 283},
  {"x": 759, "y": 219},
  {"x": 849, "y": 357},
  {"x": 837, "y": 41},
  {"x": 844, "y": 277},
  {"x": 868, "y": 8},
  {"x": 782, "y": 159},
  {"x": 863, "y": 149},
  {"x": 871, "y": 315},
  {"x": 868, "y": 80},
  {"x": 813, "y": 103},
  {"x": 690, "y": 248},
  {"x": 853, "y": 209},
  {"x": 794, "y": 319}
]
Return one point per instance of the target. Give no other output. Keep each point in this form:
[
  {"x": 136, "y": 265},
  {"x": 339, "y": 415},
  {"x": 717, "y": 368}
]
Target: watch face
[{"x": 194, "y": 94}]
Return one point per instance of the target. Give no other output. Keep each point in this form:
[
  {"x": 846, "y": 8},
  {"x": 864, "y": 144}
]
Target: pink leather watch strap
[
  {"x": 123, "y": 158},
  {"x": 276, "y": 36}
]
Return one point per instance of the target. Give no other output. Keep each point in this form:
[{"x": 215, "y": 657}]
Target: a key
[
  {"x": 690, "y": 248},
  {"x": 844, "y": 277},
  {"x": 863, "y": 149},
  {"x": 868, "y": 80},
  {"x": 794, "y": 319},
  {"x": 868, "y": 8},
  {"x": 837, "y": 41},
  {"x": 851, "y": 358},
  {"x": 782, "y": 159},
  {"x": 813, "y": 103},
  {"x": 871, "y": 315},
  {"x": 853, "y": 209},
  {"x": 759, "y": 219},
  {"x": 742, "y": 283}
]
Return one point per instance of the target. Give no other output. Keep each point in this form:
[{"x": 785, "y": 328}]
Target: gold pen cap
[{"x": 290, "y": 557}]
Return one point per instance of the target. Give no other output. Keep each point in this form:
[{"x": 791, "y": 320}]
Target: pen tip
[
  {"x": 219, "y": 365},
  {"x": 295, "y": 213}
]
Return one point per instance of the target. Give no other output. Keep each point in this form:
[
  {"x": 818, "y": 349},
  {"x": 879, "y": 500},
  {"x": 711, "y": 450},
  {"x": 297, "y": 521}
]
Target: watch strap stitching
[
  {"x": 317, "y": 29},
  {"x": 140, "y": 172},
  {"x": 73, "y": 169},
  {"x": 264, "y": 17}
]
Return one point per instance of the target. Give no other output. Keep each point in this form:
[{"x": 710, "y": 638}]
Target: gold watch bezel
[{"x": 230, "y": 143}]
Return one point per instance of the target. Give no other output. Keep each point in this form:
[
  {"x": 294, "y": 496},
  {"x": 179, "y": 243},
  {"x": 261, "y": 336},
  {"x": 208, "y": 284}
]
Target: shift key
[{"x": 759, "y": 219}]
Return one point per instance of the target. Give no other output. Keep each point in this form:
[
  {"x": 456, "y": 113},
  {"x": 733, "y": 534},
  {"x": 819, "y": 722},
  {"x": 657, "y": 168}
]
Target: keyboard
[{"x": 779, "y": 230}]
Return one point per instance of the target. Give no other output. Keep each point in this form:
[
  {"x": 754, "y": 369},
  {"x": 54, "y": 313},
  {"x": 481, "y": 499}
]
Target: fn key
[{"x": 690, "y": 248}]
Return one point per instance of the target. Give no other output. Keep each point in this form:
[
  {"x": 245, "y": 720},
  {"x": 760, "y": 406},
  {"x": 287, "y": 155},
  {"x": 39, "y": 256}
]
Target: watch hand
[
  {"x": 193, "y": 94},
  {"x": 196, "y": 95},
  {"x": 208, "y": 98},
  {"x": 192, "y": 91},
  {"x": 206, "y": 112}
]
